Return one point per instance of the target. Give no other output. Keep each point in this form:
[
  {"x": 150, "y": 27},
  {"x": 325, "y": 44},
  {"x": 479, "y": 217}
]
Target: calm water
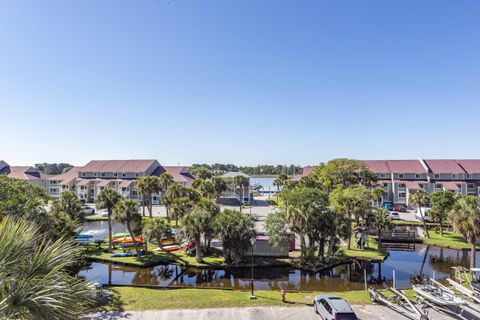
[
  {"x": 342, "y": 278},
  {"x": 99, "y": 229},
  {"x": 266, "y": 183}
]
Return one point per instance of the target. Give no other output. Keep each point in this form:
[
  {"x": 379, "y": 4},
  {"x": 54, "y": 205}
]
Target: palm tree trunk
[
  {"x": 174, "y": 257},
  {"x": 109, "y": 230},
  {"x": 424, "y": 259},
  {"x": 150, "y": 207},
  {"x": 441, "y": 227},
  {"x": 473, "y": 253},
  {"x": 198, "y": 250},
  {"x": 379, "y": 239},
  {"x": 423, "y": 220},
  {"x": 302, "y": 248},
  {"x": 167, "y": 213},
  {"x": 143, "y": 205},
  {"x": 133, "y": 239},
  {"x": 241, "y": 198}
]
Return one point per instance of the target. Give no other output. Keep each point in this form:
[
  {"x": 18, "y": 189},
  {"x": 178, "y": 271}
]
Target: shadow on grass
[{"x": 286, "y": 302}]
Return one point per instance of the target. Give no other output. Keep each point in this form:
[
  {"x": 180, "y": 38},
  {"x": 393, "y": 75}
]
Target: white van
[{"x": 423, "y": 213}]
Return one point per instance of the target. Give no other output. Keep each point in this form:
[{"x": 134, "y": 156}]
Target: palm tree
[
  {"x": 465, "y": 219},
  {"x": 70, "y": 204},
  {"x": 108, "y": 199},
  {"x": 219, "y": 187},
  {"x": 420, "y": 198},
  {"x": 155, "y": 229},
  {"x": 194, "y": 225},
  {"x": 176, "y": 198},
  {"x": 34, "y": 275},
  {"x": 165, "y": 180},
  {"x": 126, "y": 212},
  {"x": 381, "y": 221},
  {"x": 147, "y": 187},
  {"x": 241, "y": 182}
]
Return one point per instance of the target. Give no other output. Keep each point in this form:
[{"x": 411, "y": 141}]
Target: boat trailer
[{"x": 397, "y": 301}]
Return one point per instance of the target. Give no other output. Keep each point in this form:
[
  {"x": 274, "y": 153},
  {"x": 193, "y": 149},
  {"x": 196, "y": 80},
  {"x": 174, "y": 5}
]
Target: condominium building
[
  {"x": 89, "y": 180},
  {"x": 399, "y": 177}
]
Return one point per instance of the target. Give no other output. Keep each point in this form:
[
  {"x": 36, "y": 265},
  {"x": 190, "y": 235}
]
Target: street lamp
[{"x": 252, "y": 241}]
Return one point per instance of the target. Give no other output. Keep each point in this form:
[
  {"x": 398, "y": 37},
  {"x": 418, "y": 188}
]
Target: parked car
[
  {"x": 394, "y": 215},
  {"x": 423, "y": 213},
  {"x": 331, "y": 307},
  {"x": 88, "y": 209},
  {"x": 400, "y": 208},
  {"x": 102, "y": 212},
  {"x": 388, "y": 206}
]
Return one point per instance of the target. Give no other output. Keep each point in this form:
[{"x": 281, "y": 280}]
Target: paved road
[{"x": 364, "y": 312}]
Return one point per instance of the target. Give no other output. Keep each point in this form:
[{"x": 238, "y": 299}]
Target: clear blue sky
[{"x": 244, "y": 82}]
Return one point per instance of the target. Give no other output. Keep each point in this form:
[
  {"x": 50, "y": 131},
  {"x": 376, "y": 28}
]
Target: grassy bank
[
  {"x": 152, "y": 258},
  {"x": 370, "y": 252},
  {"x": 449, "y": 240},
  {"x": 96, "y": 218},
  {"x": 129, "y": 298}
]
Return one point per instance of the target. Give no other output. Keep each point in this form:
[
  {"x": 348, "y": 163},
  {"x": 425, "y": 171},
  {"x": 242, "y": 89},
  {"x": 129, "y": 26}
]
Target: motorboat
[{"x": 438, "y": 294}]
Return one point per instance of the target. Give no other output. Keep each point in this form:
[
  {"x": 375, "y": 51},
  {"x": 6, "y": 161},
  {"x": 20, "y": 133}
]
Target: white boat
[{"x": 438, "y": 295}]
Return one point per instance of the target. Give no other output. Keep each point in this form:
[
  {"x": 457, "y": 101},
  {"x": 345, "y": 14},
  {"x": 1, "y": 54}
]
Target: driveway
[{"x": 364, "y": 312}]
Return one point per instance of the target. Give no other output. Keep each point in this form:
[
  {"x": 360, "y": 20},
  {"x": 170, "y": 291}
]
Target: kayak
[
  {"x": 126, "y": 254},
  {"x": 127, "y": 240},
  {"x": 118, "y": 235},
  {"x": 168, "y": 248},
  {"x": 84, "y": 235}
]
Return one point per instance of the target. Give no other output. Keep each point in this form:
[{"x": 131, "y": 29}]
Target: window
[
  {"x": 469, "y": 176},
  {"x": 437, "y": 176},
  {"x": 438, "y": 186},
  {"x": 382, "y": 175},
  {"x": 326, "y": 305},
  {"x": 114, "y": 174},
  {"x": 400, "y": 176},
  {"x": 470, "y": 185},
  {"x": 418, "y": 176},
  {"x": 402, "y": 185},
  {"x": 454, "y": 176},
  {"x": 103, "y": 174},
  {"x": 137, "y": 175},
  {"x": 402, "y": 195},
  {"x": 124, "y": 174}
]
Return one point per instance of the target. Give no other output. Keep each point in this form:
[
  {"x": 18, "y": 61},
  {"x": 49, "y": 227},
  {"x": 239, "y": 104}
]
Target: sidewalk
[{"x": 364, "y": 312}]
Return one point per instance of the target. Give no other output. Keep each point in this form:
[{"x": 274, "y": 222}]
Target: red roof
[
  {"x": 25, "y": 173},
  {"x": 449, "y": 185},
  {"x": 470, "y": 166},
  {"x": 305, "y": 172},
  {"x": 444, "y": 166},
  {"x": 179, "y": 174},
  {"x": 66, "y": 177},
  {"x": 405, "y": 166},
  {"x": 135, "y": 166},
  {"x": 377, "y": 166}
]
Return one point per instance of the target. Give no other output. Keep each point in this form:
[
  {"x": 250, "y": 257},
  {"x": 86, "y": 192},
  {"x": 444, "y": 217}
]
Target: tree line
[{"x": 218, "y": 168}]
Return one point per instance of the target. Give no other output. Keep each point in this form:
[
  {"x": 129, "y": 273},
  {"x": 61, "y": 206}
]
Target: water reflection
[{"x": 424, "y": 258}]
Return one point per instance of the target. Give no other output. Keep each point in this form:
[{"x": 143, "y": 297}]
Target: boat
[
  {"x": 127, "y": 240},
  {"x": 118, "y": 236},
  {"x": 84, "y": 235},
  {"x": 438, "y": 295},
  {"x": 168, "y": 248},
  {"x": 126, "y": 254}
]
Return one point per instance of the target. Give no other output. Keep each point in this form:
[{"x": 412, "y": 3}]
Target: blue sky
[{"x": 244, "y": 82}]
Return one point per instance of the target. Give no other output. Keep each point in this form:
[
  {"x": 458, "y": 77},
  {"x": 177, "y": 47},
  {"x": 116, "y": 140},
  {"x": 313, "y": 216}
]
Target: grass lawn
[
  {"x": 370, "y": 252},
  {"x": 414, "y": 223},
  {"x": 449, "y": 239},
  {"x": 157, "y": 257},
  {"x": 130, "y": 298}
]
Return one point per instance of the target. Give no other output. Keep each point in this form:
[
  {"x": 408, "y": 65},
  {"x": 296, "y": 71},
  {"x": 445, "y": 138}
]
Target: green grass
[
  {"x": 157, "y": 257},
  {"x": 414, "y": 223},
  {"x": 131, "y": 298},
  {"x": 449, "y": 239},
  {"x": 370, "y": 252}
]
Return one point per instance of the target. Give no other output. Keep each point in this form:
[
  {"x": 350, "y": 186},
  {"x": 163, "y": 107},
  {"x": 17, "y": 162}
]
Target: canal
[{"x": 418, "y": 258}]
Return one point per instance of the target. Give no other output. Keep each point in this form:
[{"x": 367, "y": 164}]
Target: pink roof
[
  {"x": 449, "y": 185},
  {"x": 66, "y": 177},
  {"x": 377, "y": 166},
  {"x": 405, "y": 166},
  {"x": 179, "y": 174},
  {"x": 136, "y": 166},
  {"x": 444, "y": 166},
  {"x": 20, "y": 172},
  {"x": 305, "y": 172},
  {"x": 470, "y": 166},
  {"x": 412, "y": 184},
  {"x": 126, "y": 183}
]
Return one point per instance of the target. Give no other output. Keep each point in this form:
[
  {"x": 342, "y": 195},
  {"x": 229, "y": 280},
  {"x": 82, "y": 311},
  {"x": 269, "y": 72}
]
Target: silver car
[{"x": 331, "y": 307}]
